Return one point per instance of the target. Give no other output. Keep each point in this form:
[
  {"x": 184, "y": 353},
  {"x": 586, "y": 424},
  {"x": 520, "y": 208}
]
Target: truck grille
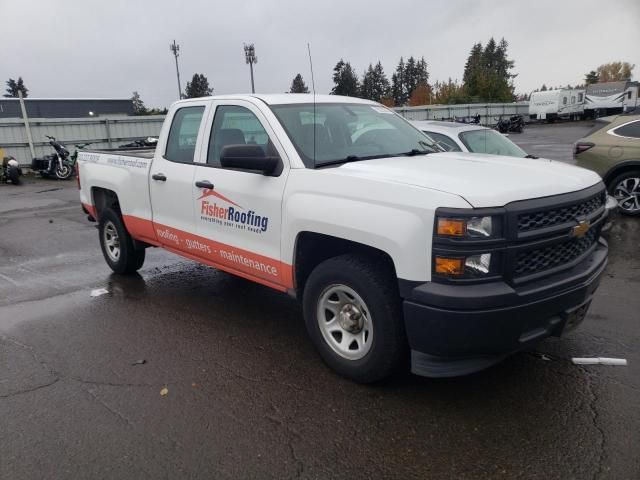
[
  {"x": 557, "y": 216},
  {"x": 541, "y": 259}
]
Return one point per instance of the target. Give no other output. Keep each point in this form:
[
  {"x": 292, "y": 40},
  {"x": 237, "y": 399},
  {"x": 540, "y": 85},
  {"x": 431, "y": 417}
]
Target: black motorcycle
[
  {"x": 10, "y": 171},
  {"x": 58, "y": 164},
  {"x": 515, "y": 123}
]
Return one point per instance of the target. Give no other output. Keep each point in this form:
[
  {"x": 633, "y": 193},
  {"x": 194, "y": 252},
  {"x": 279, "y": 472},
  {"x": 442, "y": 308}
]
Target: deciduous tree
[{"x": 615, "y": 71}]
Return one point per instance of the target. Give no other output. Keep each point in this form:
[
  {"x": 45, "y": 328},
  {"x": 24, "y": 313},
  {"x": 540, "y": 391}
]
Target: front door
[
  {"x": 171, "y": 178},
  {"x": 239, "y": 212}
]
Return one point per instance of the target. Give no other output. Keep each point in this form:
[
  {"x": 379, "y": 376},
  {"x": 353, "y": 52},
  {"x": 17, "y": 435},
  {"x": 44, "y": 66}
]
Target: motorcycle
[
  {"x": 515, "y": 123},
  {"x": 473, "y": 120},
  {"x": 59, "y": 164},
  {"x": 10, "y": 171}
]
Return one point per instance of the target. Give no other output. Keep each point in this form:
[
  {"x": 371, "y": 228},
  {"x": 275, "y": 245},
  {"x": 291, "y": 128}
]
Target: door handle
[
  {"x": 159, "y": 176},
  {"x": 204, "y": 184}
]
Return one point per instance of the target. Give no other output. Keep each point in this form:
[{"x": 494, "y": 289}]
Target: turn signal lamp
[
  {"x": 451, "y": 227},
  {"x": 449, "y": 266}
]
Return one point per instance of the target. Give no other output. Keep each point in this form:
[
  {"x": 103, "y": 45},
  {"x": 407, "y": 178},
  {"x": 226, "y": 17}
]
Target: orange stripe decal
[{"x": 246, "y": 264}]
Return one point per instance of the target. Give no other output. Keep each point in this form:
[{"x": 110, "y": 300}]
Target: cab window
[
  {"x": 183, "y": 134},
  {"x": 234, "y": 125}
]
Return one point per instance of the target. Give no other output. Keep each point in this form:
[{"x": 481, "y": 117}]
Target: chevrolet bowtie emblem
[{"x": 580, "y": 229}]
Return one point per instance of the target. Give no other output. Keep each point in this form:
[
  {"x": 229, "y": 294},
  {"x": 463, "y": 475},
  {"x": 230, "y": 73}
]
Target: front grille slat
[
  {"x": 538, "y": 260},
  {"x": 556, "y": 216}
]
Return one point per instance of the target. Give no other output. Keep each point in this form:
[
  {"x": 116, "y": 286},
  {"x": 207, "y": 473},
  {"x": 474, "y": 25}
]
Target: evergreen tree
[
  {"x": 487, "y": 72},
  {"x": 345, "y": 80},
  {"x": 298, "y": 85},
  {"x": 14, "y": 87},
  {"x": 591, "y": 77},
  {"x": 415, "y": 74},
  {"x": 398, "y": 85},
  {"x": 544, "y": 88},
  {"x": 375, "y": 85},
  {"x": 198, "y": 87},
  {"x": 138, "y": 105}
]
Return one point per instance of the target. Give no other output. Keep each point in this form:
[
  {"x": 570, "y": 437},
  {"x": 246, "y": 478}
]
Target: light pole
[
  {"x": 175, "y": 48},
  {"x": 250, "y": 58}
]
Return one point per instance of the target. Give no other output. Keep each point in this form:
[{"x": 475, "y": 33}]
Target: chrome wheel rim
[
  {"x": 627, "y": 193},
  {"x": 111, "y": 241},
  {"x": 63, "y": 171},
  {"x": 345, "y": 322}
]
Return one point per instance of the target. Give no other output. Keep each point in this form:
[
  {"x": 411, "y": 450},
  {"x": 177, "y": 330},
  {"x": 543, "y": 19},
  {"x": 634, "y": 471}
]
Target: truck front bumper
[{"x": 459, "y": 329}]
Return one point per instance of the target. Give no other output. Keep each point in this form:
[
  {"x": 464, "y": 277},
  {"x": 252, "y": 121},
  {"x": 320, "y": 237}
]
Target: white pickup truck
[{"x": 396, "y": 250}]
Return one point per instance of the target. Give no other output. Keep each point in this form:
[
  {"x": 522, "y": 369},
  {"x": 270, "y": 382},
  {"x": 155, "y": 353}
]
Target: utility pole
[
  {"x": 175, "y": 48},
  {"x": 250, "y": 58}
]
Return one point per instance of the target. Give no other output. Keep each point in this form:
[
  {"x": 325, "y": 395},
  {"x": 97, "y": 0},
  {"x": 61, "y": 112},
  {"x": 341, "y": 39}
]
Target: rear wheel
[
  {"x": 353, "y": 315},
  {"x": 117, "y": 245},
  {"x": 626, "y": 190},
  {"x": 14, "y": 175}
]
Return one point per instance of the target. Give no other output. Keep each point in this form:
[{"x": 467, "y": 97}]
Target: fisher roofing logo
[{"x": 230, "y": 215}]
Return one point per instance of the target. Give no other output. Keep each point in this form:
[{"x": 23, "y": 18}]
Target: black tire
[
  {"x": 128, "y": 259},
  {"x": 64, "y": 173},
  {"x": 374, "y": 281},
  {"x": 14, "y": 175},
  {"x": 611, "y": 187}
]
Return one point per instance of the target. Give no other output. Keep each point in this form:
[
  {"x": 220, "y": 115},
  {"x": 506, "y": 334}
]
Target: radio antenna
[{"x": 313, "y": 87}]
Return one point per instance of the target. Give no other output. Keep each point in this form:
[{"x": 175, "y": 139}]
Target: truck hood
[{"x": 482, "y": 180}]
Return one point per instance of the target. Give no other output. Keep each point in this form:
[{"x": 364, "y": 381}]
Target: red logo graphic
[{"x": 211, "y": 193}]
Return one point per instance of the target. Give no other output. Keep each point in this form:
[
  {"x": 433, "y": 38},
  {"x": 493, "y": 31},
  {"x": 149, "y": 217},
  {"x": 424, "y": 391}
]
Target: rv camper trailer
[
  {"x": 610, "y": 98},
  {"x": 551, "y": 105}
]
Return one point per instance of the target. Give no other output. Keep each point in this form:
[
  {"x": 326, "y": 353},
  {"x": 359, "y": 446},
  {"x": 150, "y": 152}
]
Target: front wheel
[
  {"x": 626, "y": 190},
  {"x": 353, "y": 314},
  {"x": 117, "y": 245},
  {"x": 64, "y": 171}
]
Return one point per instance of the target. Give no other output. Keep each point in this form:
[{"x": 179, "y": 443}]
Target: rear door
[
  {"x": 172, "y": 173},
  {"x": 239, "y": 213}
]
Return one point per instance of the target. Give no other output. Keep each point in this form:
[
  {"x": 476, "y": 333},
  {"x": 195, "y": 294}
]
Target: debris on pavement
[
  {"x": 164, "y": 391},
  {"x": 599, "y": 361},
  {"x": 99, "y": 291},
  {"x": 139, "y": 362}
]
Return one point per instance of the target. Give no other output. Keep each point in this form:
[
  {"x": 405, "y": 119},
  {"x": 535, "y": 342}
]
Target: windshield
[
  {"x": 349, "y": 132},
  {"x": 490, "y": 141}
]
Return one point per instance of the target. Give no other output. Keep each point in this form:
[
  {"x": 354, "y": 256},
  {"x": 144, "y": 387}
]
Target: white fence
[
  {"x": 489, "y": 112},
  {"x": 110, "y": 132},
  {"x": 106, "y": 132}
]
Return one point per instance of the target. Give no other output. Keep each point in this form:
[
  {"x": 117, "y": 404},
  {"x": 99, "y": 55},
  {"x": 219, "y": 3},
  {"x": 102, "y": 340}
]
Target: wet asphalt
[{"x": 82, "y": 378}]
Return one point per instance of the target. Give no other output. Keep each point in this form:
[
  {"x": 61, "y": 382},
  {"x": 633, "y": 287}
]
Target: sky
[{"x": 109, "y": 48}]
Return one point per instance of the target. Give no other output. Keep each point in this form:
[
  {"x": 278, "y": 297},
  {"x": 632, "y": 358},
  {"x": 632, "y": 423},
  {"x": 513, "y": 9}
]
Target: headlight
[
  {"x": 470, "y": 227},
  {"x": 473, "y": 266}
]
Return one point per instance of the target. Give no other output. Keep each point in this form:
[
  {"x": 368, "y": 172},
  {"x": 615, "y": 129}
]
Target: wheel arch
[
  {"x": 312, "y": 248},
  {"x": 619, "y": 169}
]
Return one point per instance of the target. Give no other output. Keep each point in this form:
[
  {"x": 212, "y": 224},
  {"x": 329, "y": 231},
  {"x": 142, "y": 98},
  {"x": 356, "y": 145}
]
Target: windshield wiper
[
  {"x": 413, "y": 152},
  {"x": 351, "y": 158},
  {"x": 531, "y": 156}
]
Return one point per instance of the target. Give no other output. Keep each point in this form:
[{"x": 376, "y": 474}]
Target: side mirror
[{"x": 248, "y": 157}]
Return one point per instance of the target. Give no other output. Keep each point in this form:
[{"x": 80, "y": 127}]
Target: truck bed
[{"x": 132, "y": 152}]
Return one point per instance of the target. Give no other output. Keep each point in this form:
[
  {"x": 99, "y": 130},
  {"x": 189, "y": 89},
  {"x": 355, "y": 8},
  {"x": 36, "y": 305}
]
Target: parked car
[
  {"x": 612, "y": 149},
  {"x": 398, "y": 252},
  {"x": 465, "y": 137}
]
